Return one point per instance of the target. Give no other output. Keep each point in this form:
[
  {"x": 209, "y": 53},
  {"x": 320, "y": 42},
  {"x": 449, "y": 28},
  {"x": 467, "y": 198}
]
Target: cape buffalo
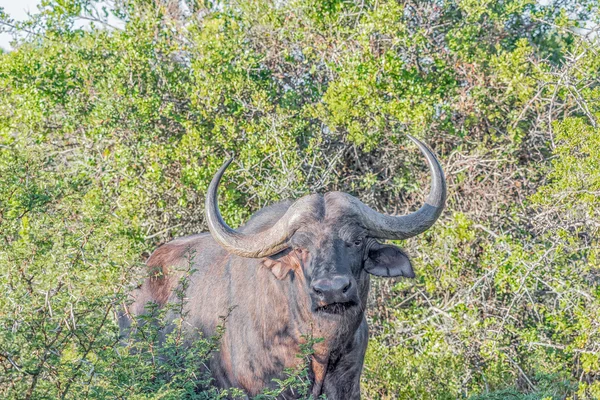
[{"x": 295, "y": 269}]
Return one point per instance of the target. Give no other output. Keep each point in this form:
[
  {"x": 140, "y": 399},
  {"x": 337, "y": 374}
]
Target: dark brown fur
[{"x": 273, "y": 305}]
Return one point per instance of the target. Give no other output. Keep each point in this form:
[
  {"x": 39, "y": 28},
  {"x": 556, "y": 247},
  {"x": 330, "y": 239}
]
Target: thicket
[{"x": 109, "y": 136}]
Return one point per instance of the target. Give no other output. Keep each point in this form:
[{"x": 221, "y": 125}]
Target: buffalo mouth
[{"x": 336, "y": 308}]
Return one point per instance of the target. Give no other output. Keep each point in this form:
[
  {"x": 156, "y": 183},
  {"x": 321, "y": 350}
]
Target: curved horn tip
[
  {"x": 437, "y": 195},
  {"x": 219, "y": 174},
  {"x": 226, "y": 164},
  {"x": 415, "y": 140}
]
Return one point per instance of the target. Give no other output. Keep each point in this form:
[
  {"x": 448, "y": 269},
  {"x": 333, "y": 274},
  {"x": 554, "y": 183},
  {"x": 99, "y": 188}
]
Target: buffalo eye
[{"x": 358, "y": 242}]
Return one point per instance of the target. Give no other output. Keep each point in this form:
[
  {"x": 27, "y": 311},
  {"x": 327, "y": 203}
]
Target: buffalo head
[{"x": 331, "y": 241}]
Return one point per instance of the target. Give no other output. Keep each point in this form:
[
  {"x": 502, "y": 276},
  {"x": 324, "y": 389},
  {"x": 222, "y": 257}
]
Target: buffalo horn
[
  {"x": 256, "y": 245},
  {"x": 384, "y": 226}
]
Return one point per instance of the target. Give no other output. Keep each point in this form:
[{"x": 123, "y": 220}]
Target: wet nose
[{"x": 334, "y": 289}]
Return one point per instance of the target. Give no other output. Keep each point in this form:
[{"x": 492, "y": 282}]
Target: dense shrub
[{"x": 109, "y": 137}]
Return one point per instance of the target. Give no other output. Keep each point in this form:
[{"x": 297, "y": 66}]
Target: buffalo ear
[
  {"x": 388, "y": 261},
  {"x": 282, "y": 263},
  {"x": 280, "y": 268}
]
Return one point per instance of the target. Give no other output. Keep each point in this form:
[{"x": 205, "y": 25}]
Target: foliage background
[{"x": 109, "y": 137}]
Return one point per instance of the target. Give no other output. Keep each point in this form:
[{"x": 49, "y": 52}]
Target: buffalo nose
[{"x": 332, "y": 290}]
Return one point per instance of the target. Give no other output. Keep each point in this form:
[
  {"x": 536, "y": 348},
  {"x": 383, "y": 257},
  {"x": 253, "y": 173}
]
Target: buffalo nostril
[
  {"x": 319, "y": 288},
  {"x": 347, "y": 287},
  {"x": 331, "y": 288}
]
